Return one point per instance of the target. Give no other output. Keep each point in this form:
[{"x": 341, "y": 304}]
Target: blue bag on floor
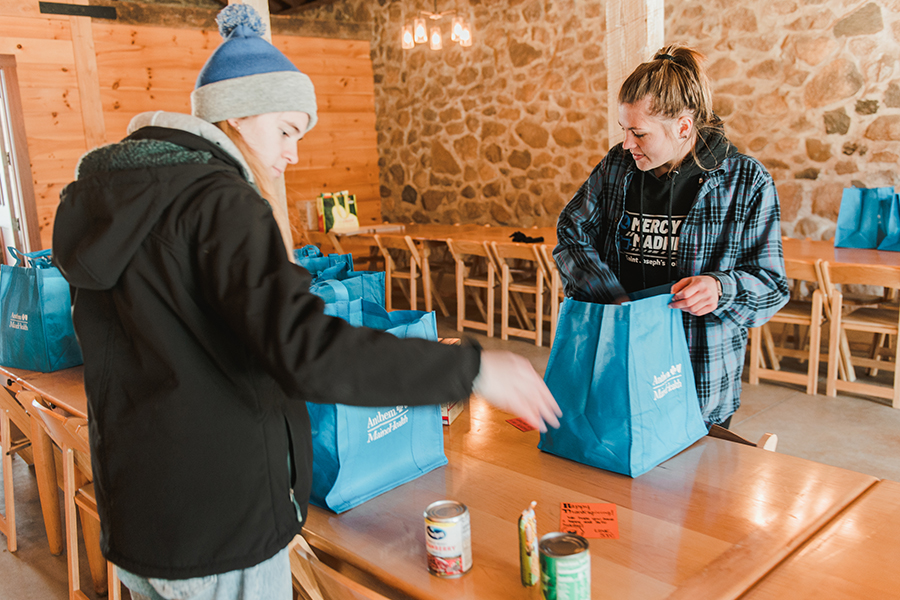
[
  {"x": 864, "y": 217},
  {"x": 36, "y": 331},
  {"x": 357, "y": 285},
  {"x": 361, "y": 452},
  {"x": 622, "y": 376},
  {"x": 311, "y": 258}
]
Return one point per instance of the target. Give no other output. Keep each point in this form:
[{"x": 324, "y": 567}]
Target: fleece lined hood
[{"x": 122, "y": 190}]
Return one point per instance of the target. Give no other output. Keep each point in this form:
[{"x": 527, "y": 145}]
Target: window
[{"x": 18, "y": 212}]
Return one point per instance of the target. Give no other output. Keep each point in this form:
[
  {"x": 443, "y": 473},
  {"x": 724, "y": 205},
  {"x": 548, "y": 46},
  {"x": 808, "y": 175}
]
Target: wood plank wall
[{"x": 142, "y": 68}]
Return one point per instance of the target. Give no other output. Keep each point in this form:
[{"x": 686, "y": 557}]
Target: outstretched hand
[
  {"x": 698, "y": 295},
  {"x": 509, "y": 382}
]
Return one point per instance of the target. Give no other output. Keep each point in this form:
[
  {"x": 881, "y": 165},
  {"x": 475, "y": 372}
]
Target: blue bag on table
[
  {"x": 622, "y": 376},
  {"x": 864, "y": 219},
  {"x": 891, "y": 239},
  {"x": 361, "y": 452},
  {"x": 311, "y": 258},
  {"x": 36, "y": 332}
]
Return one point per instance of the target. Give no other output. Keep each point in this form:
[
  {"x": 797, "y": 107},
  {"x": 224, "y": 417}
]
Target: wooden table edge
[{"x": 722, "y": 581}]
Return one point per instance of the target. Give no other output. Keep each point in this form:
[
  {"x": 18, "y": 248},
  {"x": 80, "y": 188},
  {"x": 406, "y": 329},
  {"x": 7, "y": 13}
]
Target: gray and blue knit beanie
[{"x": 247, "y": 75}]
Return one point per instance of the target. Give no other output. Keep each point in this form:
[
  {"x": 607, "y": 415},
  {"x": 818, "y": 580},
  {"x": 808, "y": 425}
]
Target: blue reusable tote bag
[
  {"x": 36, "y": 331},
  {"x": 891, "y": 239},
  {"x": 622, "y": 376},
  {"x": 356, "y": 285},
  {"x": 361, "y": 452},
  {"x": 863, "y": 217},
  {"x": 311, "y": 258}
]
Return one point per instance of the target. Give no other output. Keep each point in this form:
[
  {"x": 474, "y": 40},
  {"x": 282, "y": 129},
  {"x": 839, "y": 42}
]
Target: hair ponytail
[
  {"x": 266, "y": 186},
  {"x": 675, "y": 81}
]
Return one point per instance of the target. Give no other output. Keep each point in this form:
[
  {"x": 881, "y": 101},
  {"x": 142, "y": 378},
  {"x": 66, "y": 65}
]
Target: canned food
[
  {"x": 565, "y": 567},
  {"x": 448, "y": 538}
]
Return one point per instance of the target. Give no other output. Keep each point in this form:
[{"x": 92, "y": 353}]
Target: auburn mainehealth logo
[
  {"x": 666, "y": 382},
  {"x": 385, "y": 422},
  {"x": 18, "y": 322}
]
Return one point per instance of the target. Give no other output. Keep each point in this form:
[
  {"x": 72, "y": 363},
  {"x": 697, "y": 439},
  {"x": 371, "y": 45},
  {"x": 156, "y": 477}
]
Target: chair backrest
[
  {"x": 16, "y": 412},
  {"x": 460, "y": 248},
  {"x": 543, "y": 250},
  {"x": 314, "y": 580},
  {"x": 504, "y": 250},
  {"x": 67, "y": 431},
  {"x": 327, "y": 242},
  {"x": 396, "y": 242},
  {"x": 843, "y": 273},
  {"x": 802, "y": 269}
]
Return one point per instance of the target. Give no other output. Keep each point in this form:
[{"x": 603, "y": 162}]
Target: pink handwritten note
[{"x": 589, "y": 520}]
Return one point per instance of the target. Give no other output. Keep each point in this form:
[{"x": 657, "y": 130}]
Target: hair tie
[{"x": 666, "y": 57}]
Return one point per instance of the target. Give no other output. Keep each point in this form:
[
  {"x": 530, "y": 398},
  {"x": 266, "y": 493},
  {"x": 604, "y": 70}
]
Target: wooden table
[
  {"x": 708, "y": 523},
  {"x": 824, "y": 249},
  {"x": 65, "y": 389},
  {"x": 432, "y": 232},
  {"x": 854, "y": 556}
]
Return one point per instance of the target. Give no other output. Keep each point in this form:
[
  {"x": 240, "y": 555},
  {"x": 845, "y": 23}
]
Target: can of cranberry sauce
[{"x": 448, "y": 538}]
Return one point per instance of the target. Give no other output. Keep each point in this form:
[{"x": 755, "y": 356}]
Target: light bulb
[
  {"x": 408, "y": 41},
  {"x": 436, "y": 39},
  {"x": 465, "y": 36},
  {"x": 421, "y": 32},
  {"x": 456, "y": 28}
]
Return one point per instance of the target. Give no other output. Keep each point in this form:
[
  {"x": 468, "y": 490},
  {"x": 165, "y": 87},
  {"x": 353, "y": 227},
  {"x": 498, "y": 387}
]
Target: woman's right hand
[{"x": 509, "y": 382}]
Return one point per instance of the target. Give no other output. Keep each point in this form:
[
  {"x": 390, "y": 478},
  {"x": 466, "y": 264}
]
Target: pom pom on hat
[
  {"x": 247, "y": 75},
  {"x": 233, "y": 15}
]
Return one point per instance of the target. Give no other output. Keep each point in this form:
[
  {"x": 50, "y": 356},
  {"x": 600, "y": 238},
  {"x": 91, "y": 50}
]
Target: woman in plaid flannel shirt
[{"x": 675, "y": 204}]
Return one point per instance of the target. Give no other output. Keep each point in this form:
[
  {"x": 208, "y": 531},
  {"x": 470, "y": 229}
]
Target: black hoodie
[
  {"x": 655, "y": 208},
  {"x": 201, "y": 341}
]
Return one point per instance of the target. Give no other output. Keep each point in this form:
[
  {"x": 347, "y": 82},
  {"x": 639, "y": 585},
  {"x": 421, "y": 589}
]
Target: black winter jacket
[{"x": 201, "y": 343}]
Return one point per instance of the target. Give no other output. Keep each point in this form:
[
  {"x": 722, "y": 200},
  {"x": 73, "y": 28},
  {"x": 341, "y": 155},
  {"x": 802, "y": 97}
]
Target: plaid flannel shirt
[{"x": 732, "y": 233}]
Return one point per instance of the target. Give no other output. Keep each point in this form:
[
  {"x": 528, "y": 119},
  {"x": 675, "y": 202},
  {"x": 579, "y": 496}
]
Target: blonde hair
[
  {"x": 266, "y": 185},
  {"x": 676, "y": 82}
]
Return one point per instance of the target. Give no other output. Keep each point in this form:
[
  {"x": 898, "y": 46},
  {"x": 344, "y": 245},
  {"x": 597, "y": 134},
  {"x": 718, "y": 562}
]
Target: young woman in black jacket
[{"x": 202, "y": 343}]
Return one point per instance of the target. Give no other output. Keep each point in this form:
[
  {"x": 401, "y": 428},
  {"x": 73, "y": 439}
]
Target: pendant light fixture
[{"x": 417, "y": 31}]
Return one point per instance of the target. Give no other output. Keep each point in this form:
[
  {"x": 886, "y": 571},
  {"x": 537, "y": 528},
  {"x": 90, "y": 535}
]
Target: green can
[{"x": 565, "y": 567}]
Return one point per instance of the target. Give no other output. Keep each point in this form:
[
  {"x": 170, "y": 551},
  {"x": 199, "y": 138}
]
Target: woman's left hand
[{"x": 698, "y": 295}]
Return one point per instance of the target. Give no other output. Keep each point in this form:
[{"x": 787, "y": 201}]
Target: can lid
[
  {"x": 445, "y": 510},
  {"x": 562, "y": 544}
]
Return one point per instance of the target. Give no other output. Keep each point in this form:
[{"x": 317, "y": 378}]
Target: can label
[
  {"x": 449, "y": 546},
  {"x": 566, "y": 577}
]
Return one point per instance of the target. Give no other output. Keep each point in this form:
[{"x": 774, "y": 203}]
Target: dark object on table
[{"x": 518, "y": 236}]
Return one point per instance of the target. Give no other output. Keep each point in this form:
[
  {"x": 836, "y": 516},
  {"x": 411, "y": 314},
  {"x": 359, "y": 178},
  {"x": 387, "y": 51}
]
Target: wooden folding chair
[
  {"x": 314, "y": 580},
  {"x": 366, "y": 253},
  {"x": 557, "y": 293},
  {"x": 326, "y": 242},
  {"x": 14, "y": 423},
  {"x": 510, "y": 289},
  {"x": 71, "y": 435},
  {"x": 468, "y": 279},
  {"x": 768, "y": 441},
  {"x": 885, "y": 320},
  {"x": 796, "y": 312},
  {"x": 419, "y": 269}
]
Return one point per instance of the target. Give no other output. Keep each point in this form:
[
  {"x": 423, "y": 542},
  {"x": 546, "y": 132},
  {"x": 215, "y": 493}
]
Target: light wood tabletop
[
  {"x": 824, "y": 249},
  {"x": 855, "y": 556},
  {"x": 708, "y": 523},
  {"x": 63, "y": 388}
]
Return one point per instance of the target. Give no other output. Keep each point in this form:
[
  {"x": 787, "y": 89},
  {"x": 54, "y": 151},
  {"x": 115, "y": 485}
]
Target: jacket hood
[{"x": 123, "y": 189}]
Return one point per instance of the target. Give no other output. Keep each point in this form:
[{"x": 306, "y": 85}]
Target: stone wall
[
  {"x": 810, "y": 87},
  {"x": 505, "y": 131}
]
